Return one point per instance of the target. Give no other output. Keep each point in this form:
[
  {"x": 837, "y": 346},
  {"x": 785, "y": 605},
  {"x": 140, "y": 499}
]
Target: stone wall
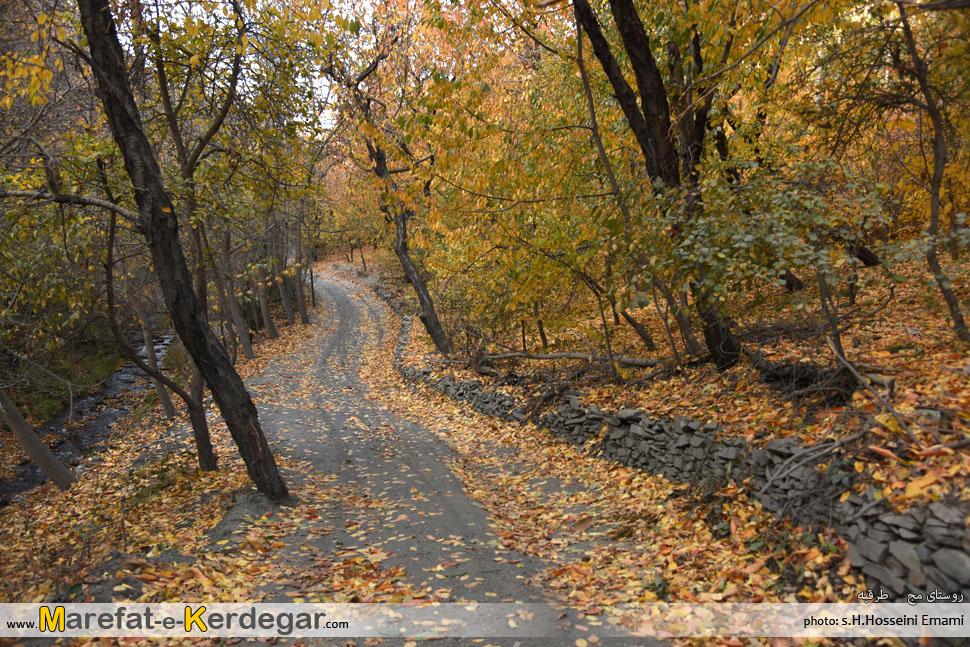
[{"x": 919, "y": 551}]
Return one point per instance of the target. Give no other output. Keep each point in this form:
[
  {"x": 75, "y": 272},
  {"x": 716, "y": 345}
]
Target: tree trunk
[
  {"x": 264, "y": 305},
  {"x": 33, "y": 445},
  {"x": 722, "y": 343},
  {"x": 151, "y": 359},
  {"x": 613, "y": 310},
  {"x": 541, "y": 328},
  {"x": 429, "y": 317},
  {"x": 242, "y": 328},
  {"x": 298, "y": 288},
  {"x": 255, "y": 317},
  {"x": 681, "y": 318},
  {"x": 200, "y": 424},
  {"x": 649, "y": 119},
  {"x": 936, "y": 183},
  {"x": 207, "y": 460},
  {"x": 285, "y": 300},
  {"x": 160, "y": 227},
  {"x": 641, "y": 330},
  {"x": 300, "y": 293},
  {"x": 313, "y": 286},
  {"x": 792, "y": 282}
]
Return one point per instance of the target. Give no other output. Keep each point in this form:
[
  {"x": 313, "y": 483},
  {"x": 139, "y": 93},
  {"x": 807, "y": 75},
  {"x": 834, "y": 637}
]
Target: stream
[{"x": 101, "y": 421}]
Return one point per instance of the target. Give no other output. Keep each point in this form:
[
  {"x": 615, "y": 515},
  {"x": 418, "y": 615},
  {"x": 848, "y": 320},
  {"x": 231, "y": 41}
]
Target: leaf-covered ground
[
  {"x": 922, "y": 372},
  {"x": 402, "y": 494}
]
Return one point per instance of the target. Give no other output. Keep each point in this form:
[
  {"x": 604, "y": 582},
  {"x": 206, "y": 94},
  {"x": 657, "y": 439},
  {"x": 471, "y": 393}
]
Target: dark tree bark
[
  {"x": 429, "y": 316},
  {"x": 285, "y": 300},
  {"x": 363, "y": 261},
  {"x": 641, "y": 330},
  {"x": 298, "y": 279},
  {"x": 864, "y": 254},
  {"x": 792, "y": 282},
  {"x": 263, "y": 292},
  {"x": 160, "y": 228},
  {"x": 651, "y": 125},
  {"x": 922, "y": 74},
  {"x": 242, "y": 328},
  {"x": 33, "y": 445},
  {"x": 401, "y": 215},
  {"x": 200, "y": 426},
  {"x": 540, "y": 327},
  {"x": 253, "y": 316}
]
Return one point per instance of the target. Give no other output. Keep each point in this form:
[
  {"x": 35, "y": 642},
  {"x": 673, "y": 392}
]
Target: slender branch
[
  {"x": 864, "y": 382},
  {"x": 65, "y": 198},
  {"x": 116, "y": 329}
]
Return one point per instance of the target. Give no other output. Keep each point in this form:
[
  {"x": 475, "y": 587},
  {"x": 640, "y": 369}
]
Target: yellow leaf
[{"x": 914, "y": 487}]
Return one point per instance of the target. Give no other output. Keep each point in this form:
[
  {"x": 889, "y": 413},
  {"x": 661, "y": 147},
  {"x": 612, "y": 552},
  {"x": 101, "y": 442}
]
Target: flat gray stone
[
  {"x": 947, "y": 513},
  {"x": 873, "y": 551},
  {"x": 900, "y": 521},
  {"x": 628, "y": 415},
  {"x": 895, "y": 567},
  {"x": 884, "y": 577},
  {"x": 916, "y": 579},
  {"x": 855, "y": 557},
  {"x": 908, "y": 535},
  {"x": 939, "y": 580},
  {"x": 905, "y": 552},
  {"x": 883, "y": 536},
  {"x": 954, "y": 563},
  {"x": 782, "y": 446},
  {"x": 728, "y": 453}
]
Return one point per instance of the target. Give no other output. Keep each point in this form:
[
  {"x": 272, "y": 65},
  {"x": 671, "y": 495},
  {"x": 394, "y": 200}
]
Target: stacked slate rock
[
  {"x": 922, "y": 550},
  {"x": 917, "y": 552}
]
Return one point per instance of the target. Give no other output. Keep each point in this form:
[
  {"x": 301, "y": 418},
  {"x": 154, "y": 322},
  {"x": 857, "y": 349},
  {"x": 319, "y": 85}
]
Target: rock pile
[{"x": 921, "y": 551}]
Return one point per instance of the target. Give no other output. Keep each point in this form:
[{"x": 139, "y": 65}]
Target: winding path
[{"x": 380, "y": 484}]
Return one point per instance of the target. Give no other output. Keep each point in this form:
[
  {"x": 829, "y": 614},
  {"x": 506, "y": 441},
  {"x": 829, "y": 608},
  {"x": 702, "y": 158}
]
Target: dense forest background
[{"x": 656, "y": 189}]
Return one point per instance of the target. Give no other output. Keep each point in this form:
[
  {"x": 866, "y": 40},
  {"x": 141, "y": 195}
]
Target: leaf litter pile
[
  {"x": 144, "y": 519},
  {"x": 914, "y": 454}
]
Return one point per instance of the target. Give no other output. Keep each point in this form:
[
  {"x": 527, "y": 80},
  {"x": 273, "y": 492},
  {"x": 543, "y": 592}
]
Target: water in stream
[{"x": 100, "y": 423}]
